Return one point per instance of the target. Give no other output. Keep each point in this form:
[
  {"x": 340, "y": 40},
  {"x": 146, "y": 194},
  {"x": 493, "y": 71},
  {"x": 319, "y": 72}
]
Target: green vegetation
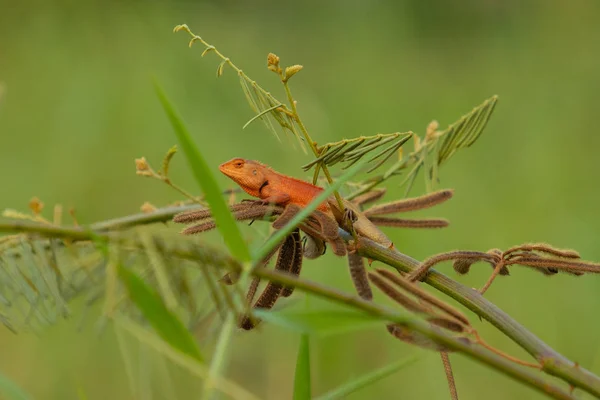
[{"x": 78, "y": 106}]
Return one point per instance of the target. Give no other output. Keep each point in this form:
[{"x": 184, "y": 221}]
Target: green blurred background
[{"x": 79, "y": 107}]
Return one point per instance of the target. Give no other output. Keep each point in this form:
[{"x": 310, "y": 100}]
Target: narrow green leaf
[
  {"x": 341, "y": 392},
  {"x": 166, "y": 324},
  {"x": 306, "y": 211},
  {"x": 302, "y": 384},
  {"x": 220, "y": 356},
  {"x": 259, "y": 115},
  {"x": 10, "y": 390},
  {"x": 202, "y": 172},
  {"x": 320, "y": 322}
]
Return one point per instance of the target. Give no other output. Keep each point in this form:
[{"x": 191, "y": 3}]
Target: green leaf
[
  {"x": 341, "y": 392},
  {"x": 278, "y": 236},
  {"x": 302, "y": 385},
  {"x": 320, "y": 322},
  {"x": 166, "y": 324},
  {"x": 333, "y": 153},
  {"x": 202, "y": 172},
  {"x": 10, "y": 390},
  {"x": 259, "y": 115}
]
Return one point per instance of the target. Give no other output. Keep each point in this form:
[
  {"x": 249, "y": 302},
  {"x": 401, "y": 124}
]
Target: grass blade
[
  {"x": 302, "y": 384},
  {"x": 225, "y": 222},
  {"x": 166, "y": 324},
  {"x": 219, "y": 358},
  {"x": 368, "y": 379},
  {"x": 10, "y": 390}
]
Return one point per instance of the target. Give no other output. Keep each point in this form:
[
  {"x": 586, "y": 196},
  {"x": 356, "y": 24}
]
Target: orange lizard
[{"x": 259, "y": 180}]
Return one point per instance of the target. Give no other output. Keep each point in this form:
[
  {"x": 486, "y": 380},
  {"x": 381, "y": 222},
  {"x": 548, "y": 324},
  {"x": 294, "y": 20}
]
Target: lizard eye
[{"x": 238, "y": 164}]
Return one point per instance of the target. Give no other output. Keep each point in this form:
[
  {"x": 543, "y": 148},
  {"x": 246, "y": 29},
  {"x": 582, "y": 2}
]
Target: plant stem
[
  {"x": 196, "y": 38},
  {"x": 551, "y": 361},
  {"x": 481, "y": 354},
  {"x": 311, "y": 143}
]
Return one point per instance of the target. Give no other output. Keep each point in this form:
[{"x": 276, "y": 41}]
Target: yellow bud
[
  {"x": 36, "y": 206},
  {"x": 147, "y": 208},
  {"x": 272, "y": 59},
  {"x": 292, "y": 70},
  {"x": 431, "y": 131},
  {"x": 142, "y": 168},
  {"x": 182, "y": 27},
  {"x": 417, "y": 141},
  {"x": 141, "y": 164}
]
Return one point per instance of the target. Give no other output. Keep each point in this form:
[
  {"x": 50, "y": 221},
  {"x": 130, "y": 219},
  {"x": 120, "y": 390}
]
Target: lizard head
[{"x": 246, "y": 173}]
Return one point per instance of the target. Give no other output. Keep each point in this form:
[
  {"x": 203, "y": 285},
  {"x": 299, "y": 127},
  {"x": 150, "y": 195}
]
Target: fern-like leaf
[{"x": 381, "y": 147}]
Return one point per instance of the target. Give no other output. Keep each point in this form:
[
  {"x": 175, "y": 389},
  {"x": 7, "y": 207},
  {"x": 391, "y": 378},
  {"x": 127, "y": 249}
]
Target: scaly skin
[{"x": 259, "y": 180}]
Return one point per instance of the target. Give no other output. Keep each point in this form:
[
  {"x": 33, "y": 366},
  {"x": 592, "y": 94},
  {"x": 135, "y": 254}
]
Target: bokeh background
[{"x": 78, "y": 107}]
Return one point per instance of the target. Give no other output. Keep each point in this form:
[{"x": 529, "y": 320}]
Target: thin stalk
[
  {"x": 209, "y": 47},
  {"x": 550, "y": 360},
  {"x": 219, "y": 357},
  {"x": 449, "y": 375},
  {"x": 481, "y": 354},
  {"x": 311, "y": 143}
]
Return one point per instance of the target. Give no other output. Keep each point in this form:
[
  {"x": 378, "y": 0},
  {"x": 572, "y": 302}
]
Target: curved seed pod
[
  {"x": 296, "y": 265},
  {"x": 203, "y": 213},
  {"x": 409, "y": 223},
  {"x": 286, "y": 216},
  {"x": 424, "y": 296},
  {"x": 411, "y": 204},
  {"x": 544, "y": 248},
  {"x": 420, "y": 272},
  {"x": 329, "y": 226},
  {"x": 358, "y": 273},
  {"x": 285, "y": 262},
  {"x": 199, "y": 228},
  {"x": 240, "y": 214},
  {"x": 399, "y": 297},
  {"x": 504, "y": 271},
  {"x": 415, "y": 338},
  {"x": 463, "y": 266},
  {"x": 338, "y": 246},
  {"x": 369, "y": 197},
  {"x": 192, "y": 216},
  {"x": 572, "y": 267}
]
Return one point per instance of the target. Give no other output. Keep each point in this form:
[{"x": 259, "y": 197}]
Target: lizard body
[{"x": 259, "y": 180}]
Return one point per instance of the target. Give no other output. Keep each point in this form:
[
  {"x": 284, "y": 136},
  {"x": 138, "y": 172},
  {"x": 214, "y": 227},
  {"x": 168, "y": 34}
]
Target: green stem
[
  {"x": 196, "y": 38},
  {"x": 513, "y": 370},
  {"x": 551, "y": 361},
  {"x": 311, "y": 143}
]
